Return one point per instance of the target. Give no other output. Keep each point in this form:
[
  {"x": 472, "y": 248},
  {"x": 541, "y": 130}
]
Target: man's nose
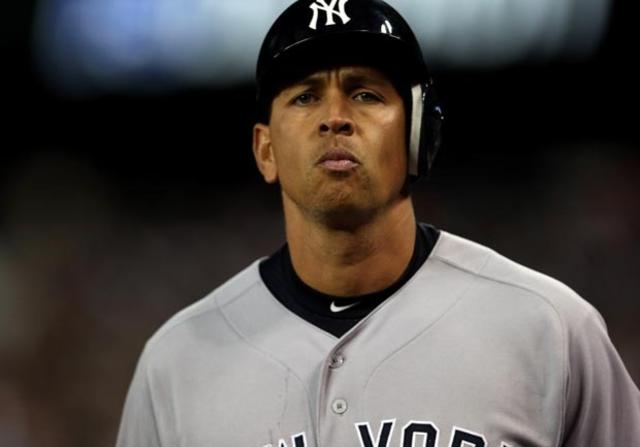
[{"x": 338, "y": 117}]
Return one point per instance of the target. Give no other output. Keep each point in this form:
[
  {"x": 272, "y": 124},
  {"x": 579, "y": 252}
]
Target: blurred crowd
[{"x": 86, "y": 275}]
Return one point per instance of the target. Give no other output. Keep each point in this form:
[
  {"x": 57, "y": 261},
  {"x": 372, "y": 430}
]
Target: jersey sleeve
[
  {"x": 603, "y": 403},
  {"x": 138, "y": 426}
]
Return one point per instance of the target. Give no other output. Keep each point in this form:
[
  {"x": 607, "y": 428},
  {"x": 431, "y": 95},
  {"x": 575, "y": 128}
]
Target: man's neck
[{"x": 354, "y": 261}]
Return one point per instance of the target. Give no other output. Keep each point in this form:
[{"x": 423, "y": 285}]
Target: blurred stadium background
[{"x": 128, "y": 190}]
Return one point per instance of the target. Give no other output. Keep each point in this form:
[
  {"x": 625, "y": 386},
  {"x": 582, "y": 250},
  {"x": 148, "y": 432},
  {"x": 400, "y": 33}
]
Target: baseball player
[{"x": 366, "y": 328}]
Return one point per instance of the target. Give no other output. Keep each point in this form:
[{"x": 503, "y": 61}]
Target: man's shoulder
[
  {"x": 502, "y": 277},
  {"x": 203, "y": 315}
]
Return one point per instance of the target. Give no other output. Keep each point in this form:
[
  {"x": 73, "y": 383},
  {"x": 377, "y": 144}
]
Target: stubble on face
[{"x": 343, "y": 201}]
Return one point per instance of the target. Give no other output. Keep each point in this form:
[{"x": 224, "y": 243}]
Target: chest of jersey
[{"x": 427, "y": 369}]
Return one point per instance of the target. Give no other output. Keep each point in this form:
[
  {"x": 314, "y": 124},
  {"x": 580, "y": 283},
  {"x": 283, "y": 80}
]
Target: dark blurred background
[{"x": 128, "y": 189}]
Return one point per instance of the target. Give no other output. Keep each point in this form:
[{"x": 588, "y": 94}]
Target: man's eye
[
  {"x": 305, "y": 98},
  {"x": 367, "y": 97}
]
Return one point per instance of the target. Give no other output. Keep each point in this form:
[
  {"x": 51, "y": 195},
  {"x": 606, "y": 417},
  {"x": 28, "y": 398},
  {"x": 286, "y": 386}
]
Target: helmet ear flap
[{"x": 425, "y": 132}]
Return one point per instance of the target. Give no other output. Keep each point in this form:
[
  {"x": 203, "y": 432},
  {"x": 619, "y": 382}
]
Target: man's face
[{"x": 336, "y": 143}]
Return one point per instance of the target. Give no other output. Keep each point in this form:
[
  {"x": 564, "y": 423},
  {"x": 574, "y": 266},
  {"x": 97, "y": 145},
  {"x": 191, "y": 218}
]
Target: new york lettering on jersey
[{"x": 413, "y": 434}]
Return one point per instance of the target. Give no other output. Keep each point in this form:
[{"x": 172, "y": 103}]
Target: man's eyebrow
[{"x": 352, "y": 79}]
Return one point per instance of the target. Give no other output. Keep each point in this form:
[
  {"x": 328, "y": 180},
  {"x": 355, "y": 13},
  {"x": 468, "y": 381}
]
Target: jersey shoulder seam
[
  {"x": 494, "y": 278},
  {"x": 565, "y": 329},
  {"x": 261, "y": 351},
  {"x": 209, "y": 303},
  {"x": 212, "y": 304}
]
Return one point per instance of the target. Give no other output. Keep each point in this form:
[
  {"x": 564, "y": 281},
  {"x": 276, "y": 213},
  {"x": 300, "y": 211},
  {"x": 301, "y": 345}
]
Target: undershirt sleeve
[{"x": 603, "y": 403}]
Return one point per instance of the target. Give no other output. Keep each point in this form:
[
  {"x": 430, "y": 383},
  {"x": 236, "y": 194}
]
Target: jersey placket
[{"x": 339, "y": 397}]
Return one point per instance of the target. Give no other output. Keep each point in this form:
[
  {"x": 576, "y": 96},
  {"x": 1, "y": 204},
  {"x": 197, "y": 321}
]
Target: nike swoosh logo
[{"x": 335, "y": 308}]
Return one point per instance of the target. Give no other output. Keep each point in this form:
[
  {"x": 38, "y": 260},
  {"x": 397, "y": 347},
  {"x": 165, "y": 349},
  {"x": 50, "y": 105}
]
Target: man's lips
[{"x": 338, "y": 160}]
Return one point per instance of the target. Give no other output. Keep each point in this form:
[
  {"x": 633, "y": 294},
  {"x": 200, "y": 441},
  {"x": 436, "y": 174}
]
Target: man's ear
[{"x": 263, "y": 153}]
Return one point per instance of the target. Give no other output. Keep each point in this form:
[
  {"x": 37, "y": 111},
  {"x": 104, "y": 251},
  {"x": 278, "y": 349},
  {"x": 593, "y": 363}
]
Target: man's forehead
[{"x": 350, "y": 73}]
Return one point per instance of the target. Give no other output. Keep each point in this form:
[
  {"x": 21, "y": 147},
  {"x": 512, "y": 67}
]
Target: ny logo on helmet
[{"x": 330, "y": 10}]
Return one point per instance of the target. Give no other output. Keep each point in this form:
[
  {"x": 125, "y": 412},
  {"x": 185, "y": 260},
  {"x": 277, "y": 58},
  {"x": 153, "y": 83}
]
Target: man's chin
[{"x": 345, "y": 216}]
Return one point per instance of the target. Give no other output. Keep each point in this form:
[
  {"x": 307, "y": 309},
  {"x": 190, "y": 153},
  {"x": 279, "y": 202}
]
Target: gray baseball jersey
[{"x": 475, "y": 350}]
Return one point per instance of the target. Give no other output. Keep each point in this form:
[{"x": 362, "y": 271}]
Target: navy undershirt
[{"x": 316, "y": 307}]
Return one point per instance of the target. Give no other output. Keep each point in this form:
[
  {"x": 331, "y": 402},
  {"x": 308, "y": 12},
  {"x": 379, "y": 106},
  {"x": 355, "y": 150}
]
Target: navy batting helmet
[{"x": 315, "y": 34}]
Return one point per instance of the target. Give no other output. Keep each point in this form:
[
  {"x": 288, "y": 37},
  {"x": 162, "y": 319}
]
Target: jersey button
[
  {"x": 339, "y": 406},
  {"x": 336, "y": 361}
]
